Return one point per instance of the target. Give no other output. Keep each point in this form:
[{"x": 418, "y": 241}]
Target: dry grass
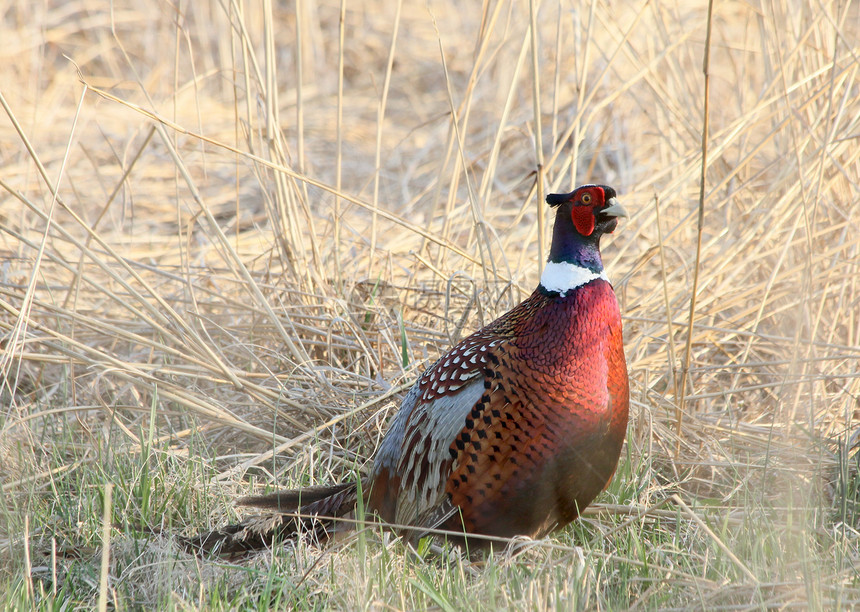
[{"x": 234, "y": 228}]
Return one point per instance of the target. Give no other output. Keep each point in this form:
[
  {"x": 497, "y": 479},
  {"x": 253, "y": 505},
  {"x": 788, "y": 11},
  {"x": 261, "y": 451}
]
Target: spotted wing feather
[{"x": 414, "y": 461}]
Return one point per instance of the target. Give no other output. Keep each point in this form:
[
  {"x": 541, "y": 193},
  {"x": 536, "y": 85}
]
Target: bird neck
[
  {"x": 573, "y": 261},
  {"x": 569, "y": 246}
]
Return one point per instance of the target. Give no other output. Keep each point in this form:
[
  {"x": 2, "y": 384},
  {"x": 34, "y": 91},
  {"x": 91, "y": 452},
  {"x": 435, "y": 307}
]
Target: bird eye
[{"x": 586, "y": 198}]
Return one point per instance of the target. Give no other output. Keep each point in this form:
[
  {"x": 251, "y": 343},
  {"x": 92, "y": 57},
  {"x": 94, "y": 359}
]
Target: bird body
[{"x": 518, "y": 427}]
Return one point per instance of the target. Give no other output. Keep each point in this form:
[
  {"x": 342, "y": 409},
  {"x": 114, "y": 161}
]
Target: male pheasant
[{"x": 512, "y": 432}]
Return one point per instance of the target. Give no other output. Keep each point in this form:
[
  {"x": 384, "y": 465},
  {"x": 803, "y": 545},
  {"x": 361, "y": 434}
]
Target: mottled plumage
[{"x": 512, "y": 432}]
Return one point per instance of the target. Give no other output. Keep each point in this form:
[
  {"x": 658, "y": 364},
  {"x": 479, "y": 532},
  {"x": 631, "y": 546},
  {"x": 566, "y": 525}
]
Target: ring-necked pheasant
[{"x": 512, "y": 432}]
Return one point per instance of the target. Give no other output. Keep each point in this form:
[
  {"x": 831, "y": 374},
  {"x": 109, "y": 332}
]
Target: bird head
[
  {"x": 582, "y": 217},
  {"x": 592, "y": 209}
]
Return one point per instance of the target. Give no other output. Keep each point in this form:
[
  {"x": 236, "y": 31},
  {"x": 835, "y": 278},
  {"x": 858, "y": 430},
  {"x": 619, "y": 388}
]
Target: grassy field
[{"x": 232, "y": 232}]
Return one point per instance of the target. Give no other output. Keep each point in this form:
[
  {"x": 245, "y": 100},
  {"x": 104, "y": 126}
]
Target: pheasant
[{"x": 514, "y": 431}]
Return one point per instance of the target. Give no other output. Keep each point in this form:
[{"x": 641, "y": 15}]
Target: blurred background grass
[{"x": 231, "y": 232}]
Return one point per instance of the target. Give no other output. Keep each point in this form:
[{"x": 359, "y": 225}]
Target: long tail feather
[
  {"x": 292, "y": 499},
  {"x": 283, "y": 521}
]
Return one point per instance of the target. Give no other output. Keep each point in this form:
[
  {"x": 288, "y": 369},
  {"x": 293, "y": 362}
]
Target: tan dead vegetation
[{"x": 188, "y": 232}]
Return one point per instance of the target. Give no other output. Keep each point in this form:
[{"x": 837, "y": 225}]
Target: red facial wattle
[{"x": 583, "y": 219}]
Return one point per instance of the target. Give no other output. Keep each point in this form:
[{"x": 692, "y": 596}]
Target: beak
[{"x": 614, "y": 209}]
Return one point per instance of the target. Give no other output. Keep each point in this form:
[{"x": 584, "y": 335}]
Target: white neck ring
[{"x": 563, "y": 277}]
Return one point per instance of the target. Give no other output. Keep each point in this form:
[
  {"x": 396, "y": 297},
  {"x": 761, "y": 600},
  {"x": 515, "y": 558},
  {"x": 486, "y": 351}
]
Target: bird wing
[{"x": 414, "y": 460}]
